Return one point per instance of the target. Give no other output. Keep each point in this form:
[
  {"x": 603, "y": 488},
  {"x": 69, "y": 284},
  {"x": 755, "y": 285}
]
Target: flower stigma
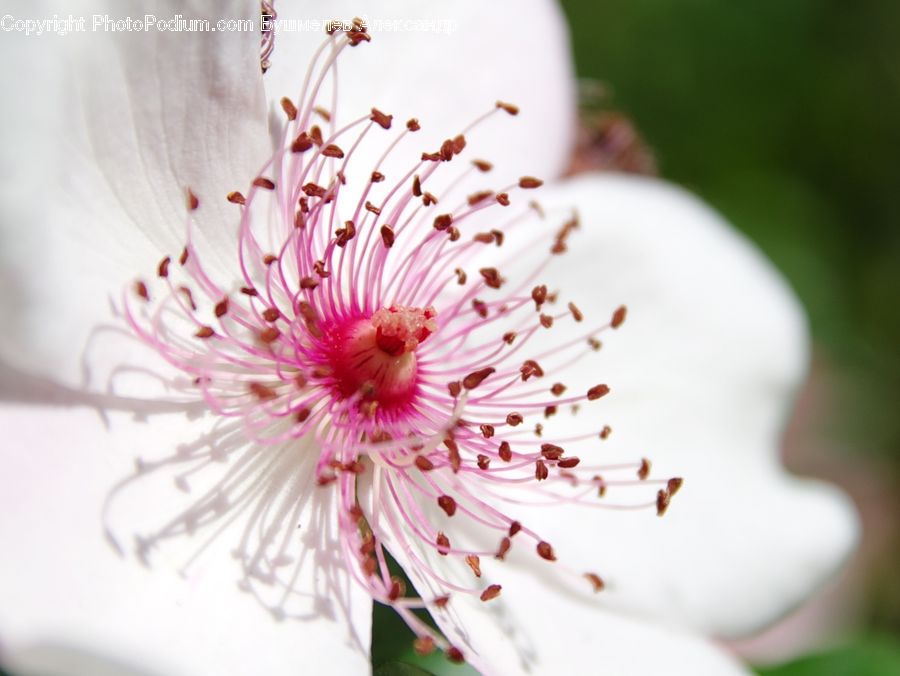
[{"x": 365, "y": 340}]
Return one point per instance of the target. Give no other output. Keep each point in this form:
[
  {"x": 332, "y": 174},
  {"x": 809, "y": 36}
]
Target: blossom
[{"x": 334, "y": 397}]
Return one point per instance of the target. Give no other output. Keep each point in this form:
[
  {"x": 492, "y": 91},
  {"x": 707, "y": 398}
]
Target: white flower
[{"x": 103, "y": 133}]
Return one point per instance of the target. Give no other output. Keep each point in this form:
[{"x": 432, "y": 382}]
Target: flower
[{"x": 700, "y": 357}]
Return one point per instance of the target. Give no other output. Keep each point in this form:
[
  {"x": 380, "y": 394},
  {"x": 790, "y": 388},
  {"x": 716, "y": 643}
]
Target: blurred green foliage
[{"x": 866, "y": 657}]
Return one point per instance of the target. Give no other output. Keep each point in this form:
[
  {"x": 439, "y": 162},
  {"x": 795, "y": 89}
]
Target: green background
[{"x": 785, "y": 116}]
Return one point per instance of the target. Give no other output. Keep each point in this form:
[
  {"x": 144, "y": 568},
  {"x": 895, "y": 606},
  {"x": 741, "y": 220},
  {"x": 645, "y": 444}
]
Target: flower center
[{"x": 375, "y": 357}]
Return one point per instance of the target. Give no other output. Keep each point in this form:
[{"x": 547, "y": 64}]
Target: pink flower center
[{"x": 375, "y": 357}]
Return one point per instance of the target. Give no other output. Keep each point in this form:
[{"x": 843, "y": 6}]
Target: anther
[
  {"x": 546, "y": 321},
  {"x": 289, "y": 108},
  {"x": 443, "y": 221},
  {"x": 568, "y": 463},
  {"x": 271, "y": 314},
  {"x": 514, "y": 419},
  {"x": 514, "y": 528},
  {"x": 381, "y": 118},
  {"x": 308, "y": 283},
  {"x": 205, "y": 332},
  {"x": 576, "y": 313},
  {"x": 474, "y": 379},
  {"x": 644, "y": 470},
  {"x": 478, "y": 197},
  {"x": 508, "y": 107},
  {"x": 443, "y": 543},
  {"x": 428, "y": 199},
  {"x": 302, "y": 143},
  {"x": 262, "y": 392},
  {"x": 558, "y": 389},
  {"x": 483, "y": 461},
  {"x": 460, "y": 276},
  {"x": 387, "y": 236},
  {"x": 492, "y": 592},
  {"x": 192, "y": 201},
  {"x": 424, "y": 645},
  {"x": 221, "y": 308},
  {"x": 540, "y": 470},
  {"x": 505, "y": 544},
  {"x": 552, "y": 451},
  {"x": 269, "y": 335},
  {"x": 491, "y": 277},
  {"x": 502, "y": 199},
  {"x": 596, "y": 581},
  {"x": 424, "y": 463},
  {"x": 618, "y": 317},
  {"x": 377, "y": 177},
  {"x": 455, "y": 655},
  {"x": 413, "y": 124},
  {"x": 530, "y": 182},
  {"x": 504, "y": 451},
  {"x": 475, "y": 564},
  {"x": 597, "y": 391},
  {"x": 545, "y": 551},
  {"x": 332, "y": 150},
  {"x": 263, "y": 182},
  {"x": 163, "y": 269},
  {"x": 482, "y": 165},
  {"x": 674, "y": 485},
  {"x": 447, "y": 503},
  {"x": 236, "y": 198},
  {"x": 487, "y": 431},
  {"x": 663, "y": 497}
]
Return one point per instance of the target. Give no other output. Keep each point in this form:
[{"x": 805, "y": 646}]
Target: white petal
[
  {"x": 702, "y": 374},
  {"x": 62, "y": 587},
  {"x": 504, "y": 50},
  {"x": 104, "y": 134}
]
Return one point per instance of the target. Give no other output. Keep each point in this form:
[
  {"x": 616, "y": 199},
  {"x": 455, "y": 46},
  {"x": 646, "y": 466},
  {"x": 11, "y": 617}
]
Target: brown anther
[
  {"x": 192, "y": 201},
  {"x": 141, "y": 290},
  {"x": 546, "y": 321},
  {"x": 446, "y": 150},
  {"x": 673, "y": 485},
  {"x": 498, "y": 237},
  {"x": 319, "y": 269},
  {"x": 302, "y": 143},
  {"x": 594, "y": 344},
  {"x": 377, "y": 177},
  {"x": 368, "y": 408},
  {"x": 387, "y": 236},
  {"x": 540, "y": 470},
  {"x": 453, "y": 453},
  {"x": 321, "y": 112},
  {"x": 458, "y": 143},
  {"x": 163, "y": 269},
  {"x": 545, "y": 551},
  {"x": 510, "y": 108},
  {"x": 236, "y": 198},
  {"x": 442, "y": 601},
  {"x": 482, "y": 165},
  {"x": 558, "y": 389},
  {"x": 443, "y": 221},
  {"x": 454, "y": 388},
  {"x": 345, "y": 234},
  {"x": 505, "y": 544},
  {"x": 539, "y": 295},
  {"x": 381, "y": 119},
  {"x": 455, "y": 655},
  {"x": 271, "y": 314},
  {"x": 300, "y": 380},
  {"x": 618, "y": 317},
  {"x": 302, "y": 415},
  {"x": 262, "y": 392},
  {"x": 205, "y": 332},
  {"x": 474, "y": 379},
  {"x": 568, "y": 463},
  {"x": 308, "y": 283},
  {"x": 475, "y": 564},
  {"x": 447, "y": 503},
  {"x": 549, "y": 411},
  {"x": 460, "y": 276},
  {"x": 221, "y": 308},
  {"x": 263, "y": 182},
  {"x": 509, "y": 337},
  {"x": 552, "y": 451},
  {"x": 502, "y": 199},
  {"x": 372, "y": 208},
  {"x": 491, "y": 277},
  {"x": 530, "y": 368},
  {"x": 321, "y": 372},
  {"x": 443, "y": 543},
  {"x": 249, "y": 291},
  {"x": 424, "y": 463},
  {"x": 663, "y": 497},
  {"x": 313, "y": 190},
  {"x": 477, "y": 197},
  {"x": 605, "y": 432},
  {"x": 453, "y": 233},
  {"x": 394, "y": 592},
  {"x": 413, "y": 124},
  {"x": 644, "y": 470},
  {"x": 513, "y": 419},
  {"x": 357, "y": 37},
  {"x": 332, "y": 150},
  {"x": 370, "y": 566},
  {"x": 597, "y": 391},
  {"x": 480, "y": 307},
  {"x": 183, "y": 258},
  {"x": 483, "y": 461},
  {"x": 424, "y": 645},
  {"x": 514, "y": 528},
  {"x": 416, "y": 186},
  {"x": 504, "y": 451},
  {"x": 428, "y": 199},
  {"x": 431, "y": 157},
  {"x": 492, "y": 592},
  {"x": 484, "y": 237},
  {"x": 269, "y": 335},
  {"x": 289, "y": 108},
  {"x": 576, "y": 313},
  {"x": 487, "y": 431},
  {"x": 530, "y": 182},
  {"x": 596, "y": 582}
]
